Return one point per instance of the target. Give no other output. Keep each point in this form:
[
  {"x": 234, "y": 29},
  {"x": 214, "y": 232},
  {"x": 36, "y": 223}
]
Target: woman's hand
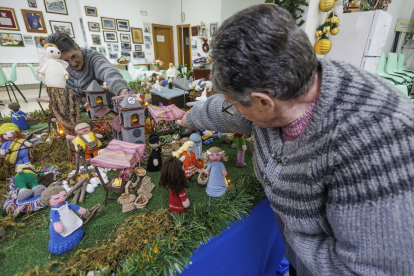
[
  {"x": 183, "y": 121},
  {"x": 123, "y": 92},
  {"x": 58, "y": 226}
]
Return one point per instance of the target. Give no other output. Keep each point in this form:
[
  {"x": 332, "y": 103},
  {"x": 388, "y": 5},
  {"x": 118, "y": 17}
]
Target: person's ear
[{"x": 264, "y": 100}]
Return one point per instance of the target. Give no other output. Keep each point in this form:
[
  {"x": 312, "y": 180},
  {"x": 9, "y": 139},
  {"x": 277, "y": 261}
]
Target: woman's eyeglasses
[
  {"x": 228, "y": 107},
  {"x": 74, "y": 57}
]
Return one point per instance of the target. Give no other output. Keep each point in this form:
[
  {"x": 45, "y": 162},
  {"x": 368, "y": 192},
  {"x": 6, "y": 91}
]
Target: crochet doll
[
  {"x": 216, "y": 185},
  {"x": 198, "y": 144},
  {"x": 240, "y": 142},
  {"x": 188, "y": 157},
  {"x": 206, "y": 136},
  {"x": 65, "y": 228},
  {"x": 18, "y": 116},
  {"x": 174, "y": 179},
  {"x": 86, "y": 139},
  {"x": 14, "y": 145},
  {"x": 27, "y": 180},
  {"x": 154, "y": 161}
]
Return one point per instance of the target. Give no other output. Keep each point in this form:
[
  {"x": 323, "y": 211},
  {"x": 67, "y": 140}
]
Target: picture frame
[
  {"x": 102, "y": 50},
  {"x": 126, "y": 47},
  {"x": 11, "y": 40},
  {"x": 147, "y": 39},
  {"x": 115, "y": 48},
  {"x": 91, "y": 11},
  {"x": 113, "y": 55},
  {"x": 34, "y": 21},
  {"x": 94, "y": 48},
  {"x": 94, "y": 27},
  {"x": 126, "y": 54},
  {"x": 56, "y": 6},
  {"x": 110, "y": 36},
  {"x": 194, "y": 31},
  {"x": 147, "y": 46},
  {"x": 28, "y": 40},
  {"x": 123, "y": 25},
  {"x": 40, "y": 42},
  {"x": 137, "y": 37},
  {"x": 138, "y": 54},
  {"x": 96, "y": 39},
  {"x": 109, "y": 47},
  {"x": 8, "y": 20},
  {"x": 108, "y": 23},
  {"x": 147, "y": 27},
  {"x": 213, "y": 28},
  {"x": 32, "y": 3},
  {"x": 62, "y": 27},
  {"x": 125, "y": 37},
  {"x": 138, "y": 48}
]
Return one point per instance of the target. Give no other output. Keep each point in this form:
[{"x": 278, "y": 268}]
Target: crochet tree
[{"x": 293, "y": 6}]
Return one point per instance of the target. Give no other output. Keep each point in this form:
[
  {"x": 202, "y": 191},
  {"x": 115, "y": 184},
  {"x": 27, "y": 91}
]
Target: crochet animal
[
  {"x": 86, "y": 139},
  {"x": 27, "y": 180},
  {"x": 155, "y": 160},
  {"x": 65, "y": 229},
  {"x": 216, "y": 185},
  {"x": 174, "y": 179},
  {"x": 206, "y": 85},
  {"x": 14, "y": 145},
  {"x": 52, "y": 70}
]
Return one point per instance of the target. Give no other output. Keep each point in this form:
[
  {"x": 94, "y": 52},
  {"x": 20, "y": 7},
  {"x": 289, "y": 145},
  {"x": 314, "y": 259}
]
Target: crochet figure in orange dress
[{"x": 189, "y": 159}]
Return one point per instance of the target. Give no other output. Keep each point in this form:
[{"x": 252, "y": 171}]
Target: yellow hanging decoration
[
  {"x": 335, "y": 31},
  {"x": 326, "y": 29},
  {"x": 318, "y": 33},
  {"x": 323, "y": 46},
  {"x": 326, "y": 5}
]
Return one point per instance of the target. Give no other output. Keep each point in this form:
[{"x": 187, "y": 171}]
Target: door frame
[
  {"x": 172, "y": 39},
  {"x": 180, "y": 58}
]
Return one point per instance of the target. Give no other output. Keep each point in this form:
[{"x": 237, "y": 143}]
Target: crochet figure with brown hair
[
  {"x": 14, "y": 145},
  {"x": 174, "y": 179},
  {"x": 86, "y": 139},
  {"x": 216, "y": 185},
  {"x": 189, "y": 159},
  {"x": 65, "y": 228}
]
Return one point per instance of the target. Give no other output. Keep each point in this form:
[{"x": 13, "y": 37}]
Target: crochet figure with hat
[
  {"x": 18, "y": 116},
  {"x": 27, "y": 180},
  {"x": 187, "y": 156},
  {"x": 154, "y": 160},
  {"x": 86, "y": 139},
  {"x": 240, "y": 142},
  {"x": 173, "y": 178},
  {"x": 14, "y": 146},
  {"x": 65, "y": 229},
  {"x": 217, "y": 184}
]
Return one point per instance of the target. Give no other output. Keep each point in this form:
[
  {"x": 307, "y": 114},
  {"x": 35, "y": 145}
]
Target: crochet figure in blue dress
[
  {"x": 65, "y": 228},
  {"x": 216, "y": 185},
  {"x": 18, "y": 116}
]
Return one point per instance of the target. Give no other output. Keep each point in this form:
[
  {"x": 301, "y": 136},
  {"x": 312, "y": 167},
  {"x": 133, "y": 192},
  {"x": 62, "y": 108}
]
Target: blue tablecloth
[
  {"x": 167, "y": 93},
  {"x": 252, "y": 247}
]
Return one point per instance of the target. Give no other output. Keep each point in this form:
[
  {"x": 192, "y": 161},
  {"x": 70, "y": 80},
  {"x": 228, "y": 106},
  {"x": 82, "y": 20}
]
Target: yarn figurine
[
  {"x": 216, "y": 185},
  {"x": 19, "y": 117},
  {"x": 86, "y": 139},
  {"x": 206, "y": 136},
  {"x": 154, "y": 161},
  {"x": 52, "y": 70},
  {"x": 198, "y": 144},
  {"x": 27, "y": 180},
  {"x": 240, "y": 142},
  {"x": 65, "y": 229},
  {"x": 14, "y": 145},
  {"x": 173, "y": 178},
  {"x": 187, "y": 156}
]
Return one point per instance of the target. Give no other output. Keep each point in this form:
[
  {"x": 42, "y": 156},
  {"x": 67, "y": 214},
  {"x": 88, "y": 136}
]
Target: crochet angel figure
[{"x": 52, "y": 70}]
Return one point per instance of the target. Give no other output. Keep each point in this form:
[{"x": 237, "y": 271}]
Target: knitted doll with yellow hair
[{"x": 187, "y": 156}]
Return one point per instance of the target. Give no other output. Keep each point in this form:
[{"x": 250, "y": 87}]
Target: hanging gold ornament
[
  {"x": 335, "y": 19},
  {"x": 335, "y": 31},
  {"x": 326, "y": 5},
  {"x": 322, "y": 46},
  {"x": 326, "y": 29},
  {"x": 318, "y": 33}
]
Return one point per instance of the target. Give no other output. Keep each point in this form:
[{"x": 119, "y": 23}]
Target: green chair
[
  {"x": 391, "y": 65},
  {"x": 12, "y": 80},
  {"x": 381, "y": 72},
  {"x": 400, "y": 64},
  {"x": 403, "y": 89},
  {"x": 5, "y": 82},
  {"x": 393, "y": 60},
  {"x": 144, "y": 68},
  {"x": 125, "y": 75},
  {"x": 37, "y": 78}
]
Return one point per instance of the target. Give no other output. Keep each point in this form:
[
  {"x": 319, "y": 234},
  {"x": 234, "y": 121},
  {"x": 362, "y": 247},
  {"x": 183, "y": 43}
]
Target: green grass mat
[{"x": 29, "y": 249}]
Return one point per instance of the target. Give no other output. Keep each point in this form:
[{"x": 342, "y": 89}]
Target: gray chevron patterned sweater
[
  {"x": 345, "y": 186},
  {"x": 98, "y": 68}
]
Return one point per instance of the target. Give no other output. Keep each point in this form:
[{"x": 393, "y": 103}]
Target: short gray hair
[
  {"x": 62, "y": 41},
  {"x": 261, "y": 49}
]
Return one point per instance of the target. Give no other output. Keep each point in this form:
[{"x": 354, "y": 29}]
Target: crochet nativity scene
[{"x": 86, "y": 168}]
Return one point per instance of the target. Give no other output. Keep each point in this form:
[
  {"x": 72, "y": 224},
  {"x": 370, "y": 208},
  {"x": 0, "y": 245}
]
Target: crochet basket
[
  {"x": 141, "y": 206},
  {"x": 127, "y": 202},
  {"x": 199, "y": 163},
  {"x": 141, "y": 172},
  {"x": 146, "y": 188},
  {"x": 203, "y": 176}
]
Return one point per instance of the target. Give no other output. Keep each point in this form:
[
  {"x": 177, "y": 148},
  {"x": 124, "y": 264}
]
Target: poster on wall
[
  {"x": 56, "y": 6},
  {"x": 194, "y": 44},
  {"x": 11, "y": 40},
  {"x": 147, "y": 27},
  {"x": 62, "y": 27},
  {"x": 34, "y": 21},
  {"x": 8, "y": 20},
  {"x": 28, "y": 40}
]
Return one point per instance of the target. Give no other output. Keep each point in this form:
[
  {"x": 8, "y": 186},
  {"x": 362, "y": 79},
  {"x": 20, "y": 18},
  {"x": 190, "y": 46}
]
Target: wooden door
[
  {"x": 187, "y": 45},
  {"x": 163, "y": 44}
]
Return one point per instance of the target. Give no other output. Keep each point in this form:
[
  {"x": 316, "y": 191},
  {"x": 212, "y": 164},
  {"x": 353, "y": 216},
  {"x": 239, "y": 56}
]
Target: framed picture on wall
[
  {"x": 126, "y": 47},
  {"x": 35, "y": 23},
  {"x": 102, "y": 50},
  {"x": 137, "y": 37},
  {"x": 147, "y": 39},
  {"x": 108, "y": 23},
  {"x": 28, "y": 39},
  {"x": 11, "y": 40},
  {"x": 123, "y": 25},
  {"x": 62, "y": 27},
  {"x": 115, "y": 48},
  {"x": 113, "y": 55},
  {"x": 213, "y": 28},
  {"x": 109, "y": 47},
  {"x": 93, "y": 48},
  {"x": 194, "y": 31},
  {"x": 110, "y": 36},
  {"x": 94, "y": 27},
  {"x": 147, "y": 27},
  {"x": 32, "y": 3},
  {"x": 96, "y": 39},
  {"x": 40, "y": 41},
  {"x": 56, "y": 6},
  {"x": 138, "y": 54},
  {"x": 147, "y": 46},
  {"x": 91, "y": 11},
  {"x": 125, "y": 37},
  {"x": 138, "y": 47},
  {"x": 8, "y": 20}
]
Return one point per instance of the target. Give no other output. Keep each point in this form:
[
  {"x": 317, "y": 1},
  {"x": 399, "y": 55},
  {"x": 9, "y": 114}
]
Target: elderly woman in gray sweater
[
  {"x": 333, "y": 145},
  {"x": 86, "y": 65}
]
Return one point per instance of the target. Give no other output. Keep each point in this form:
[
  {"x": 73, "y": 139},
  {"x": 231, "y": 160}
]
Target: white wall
[
  {"x": 230, "y": 7},
  {"x": 28, "y": 54}
]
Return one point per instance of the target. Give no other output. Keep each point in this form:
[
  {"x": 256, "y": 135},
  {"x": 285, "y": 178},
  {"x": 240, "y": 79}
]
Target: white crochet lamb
[{"x": 52, "y": 70}]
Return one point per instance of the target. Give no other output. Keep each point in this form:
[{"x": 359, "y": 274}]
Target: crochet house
[
  {"x": 129, "y": 125},
  {"x": 97, "y": 102}
]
